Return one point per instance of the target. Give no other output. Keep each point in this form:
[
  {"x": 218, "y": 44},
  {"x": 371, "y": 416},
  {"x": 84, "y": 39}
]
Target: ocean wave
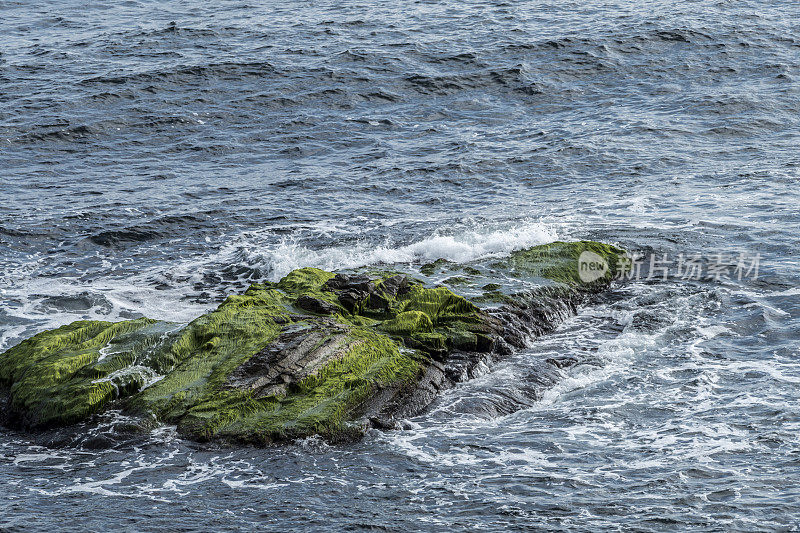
[
  {"x": 288, "y": 254},
  {"x": 183, "y": 290},
  {"x": 162, "y": 227}
]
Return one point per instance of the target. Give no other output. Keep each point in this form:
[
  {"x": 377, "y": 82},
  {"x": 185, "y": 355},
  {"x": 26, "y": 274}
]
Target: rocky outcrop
[{"x": 315, "y": 353}]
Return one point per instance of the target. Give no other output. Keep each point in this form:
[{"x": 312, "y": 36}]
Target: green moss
[
  {"x": 304, "y": 281},
  {"x": 455, "y": 281},
  {"x": 440, "y": 304},
  {"x": 321, "y": 403},
  {"x": 430, "y": 268},
  {"x": 212, "y": 346},
  {"x": 308, "y": 282},
  {"x": 462, "y": 339},
  {"x": 428, "y": 342},
  {"x": 357, "y": 320},
  {"x": 494, "y": 297},
  {"x": 379, "y": 276},
  {"x": 558, "y": 261},
  {"x": 432, "y": 320},
  {"x": 408, "y": 323},
  {"x": 57, "y": 377}
]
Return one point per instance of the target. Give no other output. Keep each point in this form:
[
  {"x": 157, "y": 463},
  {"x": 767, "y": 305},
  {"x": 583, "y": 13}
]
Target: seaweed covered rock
[{"x": 316, "y": 353}]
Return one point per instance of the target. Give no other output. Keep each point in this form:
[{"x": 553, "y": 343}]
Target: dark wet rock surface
[{"x": 294, "y": 354}]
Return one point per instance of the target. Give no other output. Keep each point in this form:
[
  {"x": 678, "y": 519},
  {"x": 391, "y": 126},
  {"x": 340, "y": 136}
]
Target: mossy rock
[
  {"x": 319, "y": 403},
  {"x": 287, "y": 359},
  {"x": 408, "y": 323},
  {"x": 560, "y": 262}
]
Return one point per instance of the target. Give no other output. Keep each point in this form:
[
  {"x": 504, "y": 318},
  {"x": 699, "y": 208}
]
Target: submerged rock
[{"x": 315, "y": 353}]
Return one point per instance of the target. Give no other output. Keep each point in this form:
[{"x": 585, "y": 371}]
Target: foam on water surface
[{"x": 157, "y": 156}]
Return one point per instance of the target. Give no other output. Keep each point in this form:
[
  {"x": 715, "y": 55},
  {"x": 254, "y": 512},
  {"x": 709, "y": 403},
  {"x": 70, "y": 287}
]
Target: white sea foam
[
  {"x": 117, "y": 299},
  {"x": 258, "y": 254},
  {"x": 249, "y": 485},
  {"x": 597, "y": 399},
  {"x": 104, "y": 487},
  {"x": 288, "y": 254}
]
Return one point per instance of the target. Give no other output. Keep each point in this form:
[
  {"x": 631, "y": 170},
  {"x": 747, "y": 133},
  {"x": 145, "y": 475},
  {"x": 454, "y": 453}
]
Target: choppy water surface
[{"x": 155, "y": 156}]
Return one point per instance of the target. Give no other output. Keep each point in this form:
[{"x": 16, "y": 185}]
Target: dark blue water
[{"x": 155, "y": 156}]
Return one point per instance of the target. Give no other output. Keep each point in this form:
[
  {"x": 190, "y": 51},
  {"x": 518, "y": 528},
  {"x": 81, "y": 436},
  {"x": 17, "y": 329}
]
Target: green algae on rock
[
  {"x": 338, "y": 374},
  {"x": 315, "y": 353},
  {"x": 64, "y": 375}
]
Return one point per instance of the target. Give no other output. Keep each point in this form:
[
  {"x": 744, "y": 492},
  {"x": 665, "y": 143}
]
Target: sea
[{"x": 156, "y": 156}]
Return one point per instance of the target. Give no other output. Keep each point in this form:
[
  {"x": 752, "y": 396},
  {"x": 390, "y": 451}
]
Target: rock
[
  {"x": 315, "y": 305},
  {"x": 377, "y": 302},
  {"x": 502, "y": 347},
  {"x": 357, "y": 282},
  {"x": 396, "y": 285},
  {"x": 363, "y": 351},
  {"x": 562, "y": 362},
  {"x": 351, "y": 289},
  {"x": 429, "y": 268},
  {"x": 351, "y": 299},
  {"x": 378, "y": 422},
  {"x": 294, "y": 354}
]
